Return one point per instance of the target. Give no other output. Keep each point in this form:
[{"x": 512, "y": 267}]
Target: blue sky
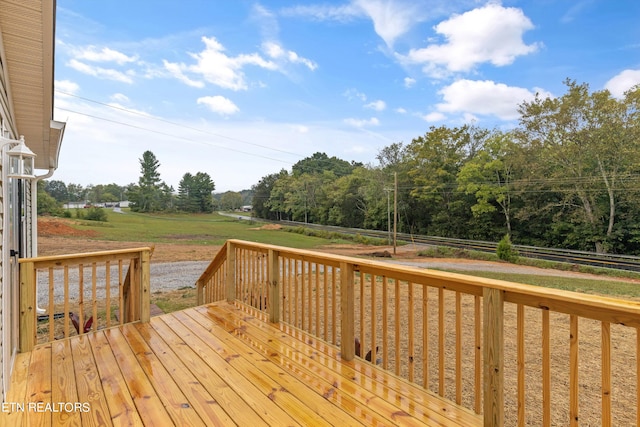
[{"x": 242, "y": 89}]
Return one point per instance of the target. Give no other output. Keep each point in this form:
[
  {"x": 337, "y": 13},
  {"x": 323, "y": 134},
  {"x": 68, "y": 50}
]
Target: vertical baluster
[
  {"x": 458, "y": 348},
  {"x": 441, "y": 353},
  {"x": 385, "y": 324},
  {"x": 325, "y": 285},
  {"x": 120, "y": 293},
  {"x": 374, "y": 320},
  {"x": 546, "y": 370},
  {"x": 317, "y": 291},
  {"x": 296, "y": 289},
  {"x": 66, "y": 301},
  {"x": 363, "y": 338},
  {"x": 411, "y": 315},
  {"x": 397, "y": 327},
  {"x": 80, "y": 299},
  {"x": 51, "y": 306},
  {"x": 520, "y": 364},
  {"x": 334, "y": 298},
  {"x": 573, "y": 370},
  {"x": 94, "y": 283},
  {"x": 108, "y": 293},
  {"x": 310, "y": 286},
  {"x": 478, "y": 354},
  {"x": 606, "y": 374},
  {"x": 425, "y": 336},
  {"x": 303, "y": 288}
]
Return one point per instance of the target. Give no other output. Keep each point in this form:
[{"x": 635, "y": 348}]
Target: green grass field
[{"x": 202, "y": 229}]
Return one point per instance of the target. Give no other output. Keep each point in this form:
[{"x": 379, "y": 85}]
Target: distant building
[{"x": 246, "y": 208}]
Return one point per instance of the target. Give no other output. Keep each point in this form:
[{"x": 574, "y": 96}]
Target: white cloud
[
  {"x": 351, "y": 94},
  {"x": 485, "y": 98},
  {"x": 360, "y": 123},
  {"x": 103, "y": 73},
  {"x": 492, "y": 33},
  {"x": 218, "y": 68},
  {"x": 91, "y": 53},
  {"x": 67, "y": 86},
  {"x": 219, "y": 104},
  {"x": 300, "y": 128},
  {"x": 391, "y": 18},
  {"x": 120, "y": 98},
  {"x": 622, "y": 82},
  {"x": 343, "y": 13},
  {"x": 401, "y": 110},
  {"x": 275, "y": 51},
  {"x": 378, "y": 105},
  {"x": 409, "y": 82},
  {"x": 434, "y": 117},
  {"x": 177, "y": 71}
]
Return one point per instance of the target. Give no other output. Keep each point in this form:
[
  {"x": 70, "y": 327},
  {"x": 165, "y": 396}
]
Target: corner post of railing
[
  {"x": 27, "y": 306},
  {"x": 200, "y": 290},
  {"x": 273, "y": 305},
  {"x": 145, "y": 285},
  {"x": 493, "y": 352},
  {"x": 347, "y": 312},
  {"x": 231, "y": 272}
]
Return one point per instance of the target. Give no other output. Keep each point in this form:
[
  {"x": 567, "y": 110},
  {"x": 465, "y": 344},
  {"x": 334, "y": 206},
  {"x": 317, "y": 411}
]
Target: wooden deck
[{"x": 211, "y": 365}]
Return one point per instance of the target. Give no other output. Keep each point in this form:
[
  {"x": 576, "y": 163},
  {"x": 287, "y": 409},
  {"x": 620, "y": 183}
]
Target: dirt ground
[{"x": 59, "y": 237}]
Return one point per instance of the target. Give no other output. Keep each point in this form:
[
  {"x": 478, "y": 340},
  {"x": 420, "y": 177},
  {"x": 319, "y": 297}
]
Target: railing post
[
  {"x": 273, "y": 305},
  {"x": 493, "y": 322},
  {"x": 27, "y": 332},
  {"x": 144, "y": 286},
  {"x": 231, "y": 272},
  {"x": 347, "y": 310},
  {"x": 200, "y": 290}
]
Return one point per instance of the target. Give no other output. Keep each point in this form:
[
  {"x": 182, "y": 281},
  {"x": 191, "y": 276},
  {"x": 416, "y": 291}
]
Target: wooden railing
[
  {"x": 517, "y": 354},
  {"x": 87, "y": 291}
]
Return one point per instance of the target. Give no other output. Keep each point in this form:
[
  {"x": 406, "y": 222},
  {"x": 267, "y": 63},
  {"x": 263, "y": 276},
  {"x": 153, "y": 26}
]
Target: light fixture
[{"x": 21, "y": 161}]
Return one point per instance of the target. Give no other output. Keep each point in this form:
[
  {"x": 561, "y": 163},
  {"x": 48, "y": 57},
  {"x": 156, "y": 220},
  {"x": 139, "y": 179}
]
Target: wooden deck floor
[{"x": 211, "y": 365}]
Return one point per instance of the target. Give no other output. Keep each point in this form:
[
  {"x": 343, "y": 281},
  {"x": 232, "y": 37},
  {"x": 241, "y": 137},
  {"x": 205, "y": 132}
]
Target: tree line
[
  {"x": 149, "y": 194},
  {"x": 567, "y": 176}
]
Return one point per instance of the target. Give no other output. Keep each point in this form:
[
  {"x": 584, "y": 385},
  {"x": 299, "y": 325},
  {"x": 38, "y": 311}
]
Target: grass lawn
[
  {"x": 618, "y": 288},
  {"x": 200, "y": 229}
]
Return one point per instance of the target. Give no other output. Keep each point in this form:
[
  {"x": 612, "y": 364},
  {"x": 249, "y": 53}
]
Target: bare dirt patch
[{"x": 49, "y": 227}]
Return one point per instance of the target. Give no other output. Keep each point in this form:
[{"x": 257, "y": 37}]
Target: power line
[
  {"x": 172, "y": 136},
  {"x": 137, "y": 113}
]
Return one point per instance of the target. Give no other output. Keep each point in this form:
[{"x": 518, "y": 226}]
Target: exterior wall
[{"x": 4, "y": 115}]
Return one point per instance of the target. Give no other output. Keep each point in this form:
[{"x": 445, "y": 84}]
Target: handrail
[
  {"x": 65, "y": 282},
  {"x": 471, "y": 353},
  {"x": 204, "y": 282}
]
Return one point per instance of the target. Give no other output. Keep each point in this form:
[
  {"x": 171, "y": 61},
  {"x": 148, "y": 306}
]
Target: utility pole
[
  {"x": 395, "y": 211},
  {"x": 387, "y": 190}
]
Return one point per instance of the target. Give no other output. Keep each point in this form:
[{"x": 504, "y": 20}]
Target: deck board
[{"x": 215, "y": 365}]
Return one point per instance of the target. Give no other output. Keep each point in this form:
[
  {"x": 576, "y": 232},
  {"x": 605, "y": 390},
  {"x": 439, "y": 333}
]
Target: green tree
[
  {"x": 76, "y": 193},
  {"x": 57, "y": 190},
  {"x": 261, "y": 195},
  {"x": 435, "y": 160},
  {"x": 151, "y": 194},
  {"x": 204, "y": 191},
  {"x": 47, "y": 205},
  {"x": 319, "y": 163},
  {"x": 588, "y": 145},
  {"x": 231, "y": 200},
  {"x": 489, "y": 176}
]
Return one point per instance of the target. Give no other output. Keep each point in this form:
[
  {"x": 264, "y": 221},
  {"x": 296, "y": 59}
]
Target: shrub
[
  {"x": 505, "y": 250},
  {"x": 96, "y": 214}
]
